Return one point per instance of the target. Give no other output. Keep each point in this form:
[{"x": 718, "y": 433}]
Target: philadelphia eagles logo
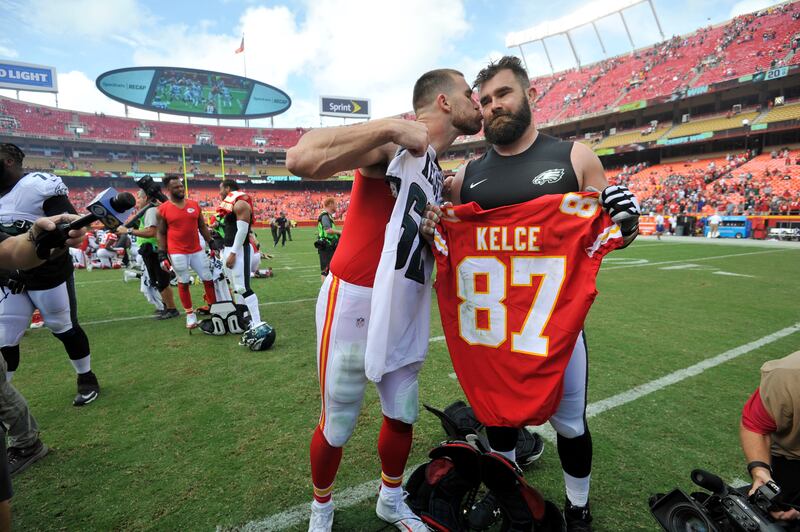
[{"x": 549, "y": 176}]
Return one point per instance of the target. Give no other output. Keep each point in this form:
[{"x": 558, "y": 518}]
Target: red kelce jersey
[
  {"x": 182, "y": 229},
  {"x": 514, "y": 286}
]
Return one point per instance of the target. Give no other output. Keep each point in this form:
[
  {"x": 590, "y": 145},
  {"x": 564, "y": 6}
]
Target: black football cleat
[
  {"x": 579, "y": 518},
  {"x": 20, "y": 458},
  {"x": 88, "y": 389}
]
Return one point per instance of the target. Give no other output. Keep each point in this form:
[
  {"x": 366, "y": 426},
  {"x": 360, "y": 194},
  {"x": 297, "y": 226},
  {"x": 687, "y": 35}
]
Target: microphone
[
  {"x": 709, "y": 481},
  {"x": 109, "y": 207}
]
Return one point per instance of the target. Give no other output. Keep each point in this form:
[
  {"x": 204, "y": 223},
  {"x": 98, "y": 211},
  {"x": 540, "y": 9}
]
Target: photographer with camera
[
  {"x": 148, "y": 248},
  {"x": 770, "y": 432},
  {"x": 327, "y": 235}
]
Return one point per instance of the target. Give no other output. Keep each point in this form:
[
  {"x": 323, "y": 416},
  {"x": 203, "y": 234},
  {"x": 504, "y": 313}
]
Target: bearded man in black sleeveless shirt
[{"x": 523, "y": 164}]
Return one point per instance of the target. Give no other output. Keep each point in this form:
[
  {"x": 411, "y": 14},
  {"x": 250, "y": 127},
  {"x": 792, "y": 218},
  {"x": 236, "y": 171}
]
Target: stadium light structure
[{"x": 587, "y": 14}]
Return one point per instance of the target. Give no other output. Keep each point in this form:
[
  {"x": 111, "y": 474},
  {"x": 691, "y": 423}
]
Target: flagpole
[
  {"x": 244, "y": 56},
  {"x": 244, "y": 61}
]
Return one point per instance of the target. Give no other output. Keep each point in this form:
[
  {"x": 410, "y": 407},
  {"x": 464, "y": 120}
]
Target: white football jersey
[
  {"x": 400, "y": 314},
  {"x": 24, "y": 201}
]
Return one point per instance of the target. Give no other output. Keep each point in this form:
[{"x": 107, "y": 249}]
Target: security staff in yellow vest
[
  {"x": 148, "y": 249},
  {"x": 327, "y": 235}
]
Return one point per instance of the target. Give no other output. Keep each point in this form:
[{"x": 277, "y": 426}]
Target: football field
[{"x": 193, "y": 432}]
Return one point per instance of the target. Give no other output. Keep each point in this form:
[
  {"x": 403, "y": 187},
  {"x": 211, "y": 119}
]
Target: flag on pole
[{"x": 241, "y": 47}]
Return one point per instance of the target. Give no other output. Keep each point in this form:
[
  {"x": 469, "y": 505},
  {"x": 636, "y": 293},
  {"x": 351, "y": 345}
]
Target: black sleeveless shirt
[
  {"x": 495, "y": 180},
  {"x": 229, "y": 229}
]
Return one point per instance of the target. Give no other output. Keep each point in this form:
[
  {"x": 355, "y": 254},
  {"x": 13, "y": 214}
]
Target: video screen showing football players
[{"x": 191, "y": 91}]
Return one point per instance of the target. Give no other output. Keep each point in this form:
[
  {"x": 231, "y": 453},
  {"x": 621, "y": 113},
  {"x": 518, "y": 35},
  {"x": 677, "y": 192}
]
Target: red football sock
[
  {"x": 186, "y": 296},
  {"x": 324, "y": 465},
  {"x": 394, "y": 445},
  {"x": 211, "y": 296}
]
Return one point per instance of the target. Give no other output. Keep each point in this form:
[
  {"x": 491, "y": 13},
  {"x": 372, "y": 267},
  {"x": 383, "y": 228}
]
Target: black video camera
[
  {"x": 151, "y": 188},
  {"x": 726, "y": 509}
]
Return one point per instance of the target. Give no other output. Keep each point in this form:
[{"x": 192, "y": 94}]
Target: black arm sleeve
[{"x": 58, "y": 205}]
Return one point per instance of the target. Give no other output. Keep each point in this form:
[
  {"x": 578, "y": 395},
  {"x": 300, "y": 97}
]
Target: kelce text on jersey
[{"x": 503, "y": 238}]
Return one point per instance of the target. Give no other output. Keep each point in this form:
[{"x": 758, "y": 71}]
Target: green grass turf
[{"x": 192, "y": 431}]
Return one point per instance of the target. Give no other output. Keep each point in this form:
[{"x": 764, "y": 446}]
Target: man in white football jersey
[
  {"x": 50, "y": 287},
  {"x": 236, "y": 210},
  {"x": 445, "y": 110}
]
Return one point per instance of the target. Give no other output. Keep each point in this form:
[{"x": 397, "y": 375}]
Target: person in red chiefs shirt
[
  {"x": 445, "y": 110},
  {"x": 179, "y": 221},
  {"x": 770, "y": 431}
]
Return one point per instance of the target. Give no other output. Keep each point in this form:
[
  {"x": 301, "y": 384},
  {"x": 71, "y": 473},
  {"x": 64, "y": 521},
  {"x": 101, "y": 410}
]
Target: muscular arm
[
  {"x": 19, "y": 252},
  {"x": 320, "y": 153},
  {"x": 242, "y": 211},
  {"x": 588, "y": 168},
  {"x": 161, "y": 233},
  {"x": 201, "y": 225},
  {"x": 591, "y": 176}
]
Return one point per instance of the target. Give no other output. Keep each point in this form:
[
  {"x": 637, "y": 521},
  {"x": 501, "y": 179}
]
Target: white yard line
[
  {"x": 361, "y": 492},
  {"x": 114, "y": 320},
  {"x": 691, "y": 259}
]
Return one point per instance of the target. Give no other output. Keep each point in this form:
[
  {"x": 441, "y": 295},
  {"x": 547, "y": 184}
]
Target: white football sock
[
  {"x": 577, "y": 489},
  {"x": 511, "y": 455},
  {"x": 82, "y": 365},
  {"x": 252, "y": 305}
]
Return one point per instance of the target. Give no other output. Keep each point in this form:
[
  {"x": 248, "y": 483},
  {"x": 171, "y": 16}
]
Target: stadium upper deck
[{"x": 745, "y": 45}]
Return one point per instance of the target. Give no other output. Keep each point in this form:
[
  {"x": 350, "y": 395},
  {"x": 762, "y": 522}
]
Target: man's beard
[
  {"x": 506, "y": 128},
  {"x": 178, "y": 195},
  {"x": 467, "y": 126}
]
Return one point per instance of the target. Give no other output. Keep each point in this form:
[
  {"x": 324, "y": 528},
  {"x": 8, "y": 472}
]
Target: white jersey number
[
  {"x": 489, "y": 300},
  {"x": 416, "y": 267}
]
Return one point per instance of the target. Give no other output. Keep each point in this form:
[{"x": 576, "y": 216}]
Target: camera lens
[{"x": 685, "y": 518}]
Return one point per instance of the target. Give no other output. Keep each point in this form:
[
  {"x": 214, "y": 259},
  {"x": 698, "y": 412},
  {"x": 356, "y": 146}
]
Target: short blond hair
[{"x": 327, "y": 202}]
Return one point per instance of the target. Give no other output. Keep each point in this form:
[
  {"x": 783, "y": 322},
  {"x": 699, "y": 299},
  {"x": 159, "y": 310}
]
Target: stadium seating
[
  {"x": 781, "y": 113},
  {"x": 34, "y": 119},
  {"x": 709, "y": 55},
  {"x": 755, "y": 43},
  {"x": 297, "y": 205},
  {"x": 766, "y": 184},
  {"x": 719, "y": 123},
  {"x": 631, "y": 137}
]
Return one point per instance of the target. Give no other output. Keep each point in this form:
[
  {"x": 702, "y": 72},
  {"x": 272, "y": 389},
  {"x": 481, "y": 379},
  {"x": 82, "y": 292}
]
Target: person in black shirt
[
  {"x": 25, "y": 197},
  {"x": 523, "y": 164},
  {"x": 281, "y": 222}
]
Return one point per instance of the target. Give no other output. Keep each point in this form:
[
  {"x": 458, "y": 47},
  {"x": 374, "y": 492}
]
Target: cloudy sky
[{"x": 360, "y": 48}]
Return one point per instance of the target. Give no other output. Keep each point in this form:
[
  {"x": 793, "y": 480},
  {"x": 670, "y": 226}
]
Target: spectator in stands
[{"x": 770, "y": 433}]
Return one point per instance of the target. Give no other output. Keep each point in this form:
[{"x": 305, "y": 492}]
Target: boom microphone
[{"x": 709, "y": 481}]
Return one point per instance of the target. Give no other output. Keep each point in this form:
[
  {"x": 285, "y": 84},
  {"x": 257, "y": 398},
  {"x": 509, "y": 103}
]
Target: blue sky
[{"x": 361, "y": 48}]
